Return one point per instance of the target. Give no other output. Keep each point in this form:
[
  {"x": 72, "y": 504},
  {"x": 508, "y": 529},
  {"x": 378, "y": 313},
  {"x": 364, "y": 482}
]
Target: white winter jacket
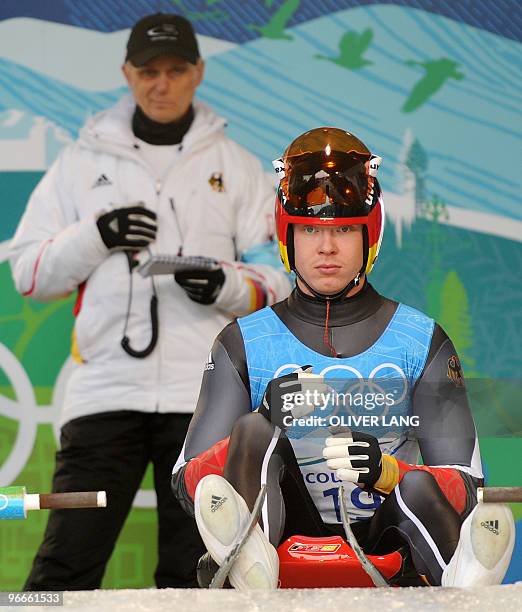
[{"x": 57, "y": 249}]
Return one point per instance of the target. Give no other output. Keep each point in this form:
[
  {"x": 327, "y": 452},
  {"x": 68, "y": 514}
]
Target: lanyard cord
[{"x": 154, "y": 321}]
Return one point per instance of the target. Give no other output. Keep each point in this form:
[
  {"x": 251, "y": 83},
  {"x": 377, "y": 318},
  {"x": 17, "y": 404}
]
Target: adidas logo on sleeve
[{"x": 102, "y": 180}]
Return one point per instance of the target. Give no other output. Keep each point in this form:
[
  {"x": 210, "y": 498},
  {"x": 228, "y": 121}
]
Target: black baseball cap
[{"x": 162, "y": 34}]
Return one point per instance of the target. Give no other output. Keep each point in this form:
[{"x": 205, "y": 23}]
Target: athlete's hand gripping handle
[
  {"x": 355, "y": 457},
  {"x": 291, "y": 396}
]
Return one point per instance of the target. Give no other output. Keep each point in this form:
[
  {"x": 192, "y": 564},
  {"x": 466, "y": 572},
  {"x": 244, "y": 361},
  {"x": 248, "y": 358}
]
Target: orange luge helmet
[{"x": 328, "y": 177}]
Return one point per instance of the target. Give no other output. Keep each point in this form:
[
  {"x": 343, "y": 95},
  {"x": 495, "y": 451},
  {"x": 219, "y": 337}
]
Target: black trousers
[{"x": 111, "y": 451}]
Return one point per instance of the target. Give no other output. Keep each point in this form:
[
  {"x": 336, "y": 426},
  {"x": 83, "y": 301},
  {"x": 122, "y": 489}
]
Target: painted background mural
[{"x": 432, "y": 86}]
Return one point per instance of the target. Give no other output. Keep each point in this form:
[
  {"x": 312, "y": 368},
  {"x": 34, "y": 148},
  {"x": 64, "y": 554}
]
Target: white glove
[{"x": 355, "y": 457}]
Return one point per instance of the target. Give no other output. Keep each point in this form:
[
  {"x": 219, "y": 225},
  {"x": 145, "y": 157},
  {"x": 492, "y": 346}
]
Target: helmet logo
[
  {"x": 375, "y": 162},
  {"x": 371, "y": 191},
  {"x": 279, "y": 167}
]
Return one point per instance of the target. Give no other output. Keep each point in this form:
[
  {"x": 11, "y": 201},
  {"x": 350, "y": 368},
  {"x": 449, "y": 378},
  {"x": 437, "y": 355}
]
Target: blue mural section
[
  {"x": 65, "y": 106},
  {"x": 242, "y": 20},
  {"x": 273, "y": 89}
]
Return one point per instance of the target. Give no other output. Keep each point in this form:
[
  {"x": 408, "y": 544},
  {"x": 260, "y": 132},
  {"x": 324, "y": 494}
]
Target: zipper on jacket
[
  {"x": 158, "y": 185},
  {"x": 178, "y": 226},
  {"x": 158, "y": 348}
]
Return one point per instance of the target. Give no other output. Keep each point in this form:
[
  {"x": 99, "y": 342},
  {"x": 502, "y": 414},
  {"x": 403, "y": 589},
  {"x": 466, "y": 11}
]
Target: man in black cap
[
  {"x": 163, "y": 69},
  {"x": 155, "y": 174}
]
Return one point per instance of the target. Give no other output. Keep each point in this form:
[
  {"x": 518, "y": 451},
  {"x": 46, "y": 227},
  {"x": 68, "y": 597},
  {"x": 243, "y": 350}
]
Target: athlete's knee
[
  {"x": 421, "y": 489},
  {"x": 418, "y": 480},
  {"x": 250, "y": 436},
  {"x": 186, "y": 478},
  {"x": 251, "y": 427}
]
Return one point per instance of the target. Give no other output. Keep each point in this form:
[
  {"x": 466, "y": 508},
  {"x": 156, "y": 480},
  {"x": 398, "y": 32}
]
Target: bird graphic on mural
[
  {"x": 206, "y": 14},
  {"x": 437, "y": 73},
  {"x": 275, "y": 28},
  {"x": 352, "y": 47}
]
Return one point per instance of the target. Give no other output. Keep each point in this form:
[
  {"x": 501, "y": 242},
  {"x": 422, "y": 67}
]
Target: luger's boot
[
  {"x": 482, "y": 556},
  {"x": 221, "y": 514}
]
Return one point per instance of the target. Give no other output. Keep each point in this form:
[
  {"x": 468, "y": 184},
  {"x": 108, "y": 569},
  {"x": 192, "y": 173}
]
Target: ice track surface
[{"x": 504, "y": 598}]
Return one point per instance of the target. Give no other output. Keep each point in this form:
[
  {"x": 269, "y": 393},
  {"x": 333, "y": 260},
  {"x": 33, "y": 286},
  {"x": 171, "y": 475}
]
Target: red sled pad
[{"x": 328, "y": 562}]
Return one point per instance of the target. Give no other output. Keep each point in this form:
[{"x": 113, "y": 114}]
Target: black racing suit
[{"x": 422, "y": 514}]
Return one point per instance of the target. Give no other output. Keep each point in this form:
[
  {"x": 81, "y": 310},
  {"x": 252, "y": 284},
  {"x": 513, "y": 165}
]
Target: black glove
[
  {"x": 131, "y": 228},
  {"x": 354, "y": 456},
  {"x": 202, "y": 286},
  {"x": 280, "y": 404}
]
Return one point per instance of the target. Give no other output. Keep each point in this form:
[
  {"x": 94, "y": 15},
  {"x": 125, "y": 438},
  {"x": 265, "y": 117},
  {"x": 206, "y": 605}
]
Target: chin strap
[{"x": 334, "y": 297}]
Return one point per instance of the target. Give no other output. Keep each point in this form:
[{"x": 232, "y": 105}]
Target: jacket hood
[{"x": 111, "y": 129}]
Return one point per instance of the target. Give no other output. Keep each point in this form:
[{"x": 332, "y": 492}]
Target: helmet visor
[
  {"x": 329, "y": 184},
  {"x": 328, "y": 172}
]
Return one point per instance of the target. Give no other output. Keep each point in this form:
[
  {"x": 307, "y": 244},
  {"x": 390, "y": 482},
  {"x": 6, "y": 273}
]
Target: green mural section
[
  {"x": 15, "y": 187},
  {"x": 35, "y": 333},
  {"x": 39, "y": 337},
  {"x": 133, "y": 562}
]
